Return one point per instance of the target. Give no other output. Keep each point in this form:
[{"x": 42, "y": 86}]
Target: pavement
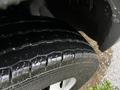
[{"x": 113, "y": 71}]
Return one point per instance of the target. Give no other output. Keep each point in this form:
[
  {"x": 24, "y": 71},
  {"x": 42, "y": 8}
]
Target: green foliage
[{"x": 105, "y": 86}]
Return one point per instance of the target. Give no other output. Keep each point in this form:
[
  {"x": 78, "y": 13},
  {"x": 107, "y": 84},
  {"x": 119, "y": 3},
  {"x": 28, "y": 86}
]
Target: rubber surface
[{"x": 36, "y": 52}]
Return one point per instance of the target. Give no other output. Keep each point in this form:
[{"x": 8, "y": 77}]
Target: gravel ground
[{"x": 113, "y": 71}]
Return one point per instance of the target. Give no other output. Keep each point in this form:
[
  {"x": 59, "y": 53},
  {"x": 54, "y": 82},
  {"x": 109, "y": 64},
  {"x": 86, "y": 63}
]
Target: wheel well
[{"x": 94, "y": 17}]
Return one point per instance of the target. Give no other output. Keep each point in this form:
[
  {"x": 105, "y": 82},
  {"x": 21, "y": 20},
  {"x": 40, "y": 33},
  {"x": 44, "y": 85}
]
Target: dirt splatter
[{"x": 103, "y": 57}]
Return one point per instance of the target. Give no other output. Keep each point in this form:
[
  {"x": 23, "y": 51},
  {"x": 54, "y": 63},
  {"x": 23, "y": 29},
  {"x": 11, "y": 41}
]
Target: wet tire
[{"x": 36, "y": 52}]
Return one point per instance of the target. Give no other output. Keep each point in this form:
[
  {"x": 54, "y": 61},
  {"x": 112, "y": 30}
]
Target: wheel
[{"x": 37, "y": 52}]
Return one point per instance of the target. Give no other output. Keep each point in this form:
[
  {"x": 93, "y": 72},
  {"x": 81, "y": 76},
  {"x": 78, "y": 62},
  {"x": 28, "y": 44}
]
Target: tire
[{"x": 36, "y": 52}]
